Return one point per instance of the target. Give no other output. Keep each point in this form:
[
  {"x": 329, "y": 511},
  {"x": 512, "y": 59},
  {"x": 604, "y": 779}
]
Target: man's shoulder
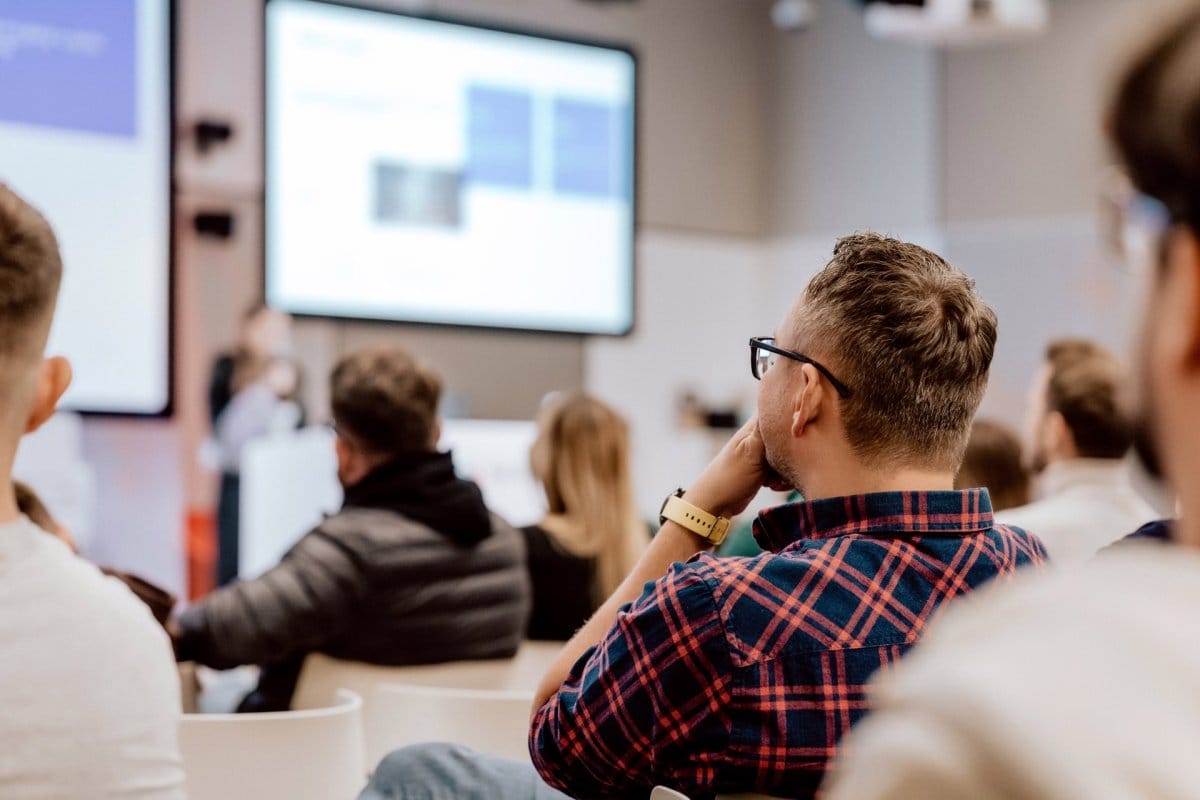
[
  {"x": 1031, "y": 513},
  {"x": 728, "y": 578},
  {"x": 830, "y": 580},
  {"x": 1122, "y": 505},
  {"x": 75, "y": 599},
  {"x": 380, "y": 536},
  {"x": 1076, "y": 527},
  {"x": 367, "y": 526},
  {"x": 385, "y": 523},
  {"x": 747, "y": 593},
  {"x": 1022, "y": 544}
]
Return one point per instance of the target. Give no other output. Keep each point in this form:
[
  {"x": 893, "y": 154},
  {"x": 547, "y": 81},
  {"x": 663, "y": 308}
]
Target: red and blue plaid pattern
[{"x": 742, "y": 674}]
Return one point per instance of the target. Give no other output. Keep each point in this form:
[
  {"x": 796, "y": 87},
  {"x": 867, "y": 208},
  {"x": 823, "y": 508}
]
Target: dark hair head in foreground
[{"x": 1154, "y": 120}]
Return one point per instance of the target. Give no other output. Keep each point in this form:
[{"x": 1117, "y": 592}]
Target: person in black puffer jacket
[{"x": 414, "y": 569}]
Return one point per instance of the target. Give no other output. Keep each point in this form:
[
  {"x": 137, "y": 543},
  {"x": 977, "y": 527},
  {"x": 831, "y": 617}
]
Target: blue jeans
[{"x": 438, "y": 771}]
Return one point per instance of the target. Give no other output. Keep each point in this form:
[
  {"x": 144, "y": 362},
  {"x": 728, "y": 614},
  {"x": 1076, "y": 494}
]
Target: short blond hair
[{"x": 910, "y": 336}]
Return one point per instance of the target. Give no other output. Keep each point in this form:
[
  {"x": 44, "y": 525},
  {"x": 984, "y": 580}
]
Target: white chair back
[
  {"x": 486, "y": 720},
  {"x": 663, "y": 793},
  {"x": 322, "y": 676},
  {"x": 301, "y": 755}
]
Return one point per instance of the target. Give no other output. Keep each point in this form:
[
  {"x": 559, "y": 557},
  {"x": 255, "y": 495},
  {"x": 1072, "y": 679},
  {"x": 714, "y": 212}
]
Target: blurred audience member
[
  {"x": 1081, "y": 683},
  {"x": 742, "y": 674},
  {"x": 412, "y": 570},
  {"x": 90, "y": 696},
  {"x": 591, "y": 536},
  {"x": 253, "y": 392},
  {"x": 995, "y": 462},
  {"x": 1082, "y": 429}
]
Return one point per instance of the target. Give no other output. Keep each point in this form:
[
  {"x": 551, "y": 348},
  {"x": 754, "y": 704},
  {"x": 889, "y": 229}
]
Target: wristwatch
[{"x": 695, "y": 519}]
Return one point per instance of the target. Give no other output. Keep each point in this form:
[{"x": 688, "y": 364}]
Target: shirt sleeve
[
  {"x": 305, "y": 600},
  {"x": 649, "y": 703}
]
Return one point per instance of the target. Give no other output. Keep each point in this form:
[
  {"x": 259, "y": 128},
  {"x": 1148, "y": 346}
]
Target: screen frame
[
  {"x": 168, "y": 409},
  {"x": 495, "y": 27}
]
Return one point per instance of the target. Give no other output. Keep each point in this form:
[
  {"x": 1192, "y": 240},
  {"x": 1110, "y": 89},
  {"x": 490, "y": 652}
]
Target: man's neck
[
  {"x": 8, "y": 498},
  {"x": 870, "y": 482}
]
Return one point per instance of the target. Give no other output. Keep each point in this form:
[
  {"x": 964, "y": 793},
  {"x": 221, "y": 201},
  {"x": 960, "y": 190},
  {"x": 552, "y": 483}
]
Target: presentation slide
[
  {"x": 429, "y": 171},
  {"x": 85, "y": 135}
]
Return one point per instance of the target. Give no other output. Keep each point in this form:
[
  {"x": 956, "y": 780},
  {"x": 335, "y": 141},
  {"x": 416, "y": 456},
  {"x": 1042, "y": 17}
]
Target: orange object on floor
[{"x": 201, "y": 549}]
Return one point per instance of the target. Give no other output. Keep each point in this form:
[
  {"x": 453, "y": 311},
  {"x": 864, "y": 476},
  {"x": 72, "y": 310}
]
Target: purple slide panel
[
  {"x": 70, "y": 64},
  {"x": 591, "y": 149},
  {"x": 500, "y": 137}
]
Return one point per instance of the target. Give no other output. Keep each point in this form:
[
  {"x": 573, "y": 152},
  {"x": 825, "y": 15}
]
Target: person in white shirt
[
  {"x": 1082, "y": 429},
  {"x": 1083, "y": 682},
  {"x": 88, "y": 686}
]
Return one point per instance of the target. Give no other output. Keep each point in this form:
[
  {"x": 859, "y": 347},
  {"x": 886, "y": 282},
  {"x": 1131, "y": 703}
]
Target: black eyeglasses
[
  {"x": 1135, "y": 225},
  {"x": 763, "y": 353}
]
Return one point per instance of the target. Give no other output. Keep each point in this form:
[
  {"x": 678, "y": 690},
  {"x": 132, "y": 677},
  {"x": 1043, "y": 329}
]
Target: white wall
[
  {"x": 1046, "y": 278},
  {"x": 854, "y": 129},
  {"x": 1023, "y": 124}
]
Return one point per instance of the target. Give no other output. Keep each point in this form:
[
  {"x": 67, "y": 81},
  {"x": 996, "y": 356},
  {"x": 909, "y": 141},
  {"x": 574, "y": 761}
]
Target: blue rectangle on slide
[
  {"x": 499, "y": 137},
  {"x": 590, "y": 149},
  {"x": 69, "y": 64}
]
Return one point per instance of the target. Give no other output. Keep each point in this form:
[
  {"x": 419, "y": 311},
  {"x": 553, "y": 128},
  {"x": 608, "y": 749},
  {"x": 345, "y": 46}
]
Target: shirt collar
[{"x": 945, "y": 513}]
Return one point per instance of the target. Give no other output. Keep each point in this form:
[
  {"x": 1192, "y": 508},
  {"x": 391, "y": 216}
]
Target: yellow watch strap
[{"x": 697, "y": 520}]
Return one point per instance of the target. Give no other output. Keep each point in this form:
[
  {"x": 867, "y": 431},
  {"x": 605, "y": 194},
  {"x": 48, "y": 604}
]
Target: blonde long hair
[{"x": 581, "y": 457}]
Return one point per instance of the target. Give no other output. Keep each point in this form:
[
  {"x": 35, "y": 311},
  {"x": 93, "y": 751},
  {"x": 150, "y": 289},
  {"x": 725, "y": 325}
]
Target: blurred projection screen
[
  {"x": 85, "y": 136},
  {"x": 427, "y": 170}
]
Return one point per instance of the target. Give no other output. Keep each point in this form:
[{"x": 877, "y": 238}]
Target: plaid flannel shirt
[{"x": 742, "y": 674}]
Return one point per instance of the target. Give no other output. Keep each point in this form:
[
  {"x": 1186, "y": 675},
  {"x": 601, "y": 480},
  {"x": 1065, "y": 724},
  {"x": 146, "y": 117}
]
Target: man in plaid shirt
[{"x": 742, "y": 674}]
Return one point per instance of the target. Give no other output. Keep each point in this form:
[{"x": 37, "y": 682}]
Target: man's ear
[
  {"x": 437, "y": 433},
  {"x": 807, "y": 404},
  {"x": 54, "y": 376}
]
